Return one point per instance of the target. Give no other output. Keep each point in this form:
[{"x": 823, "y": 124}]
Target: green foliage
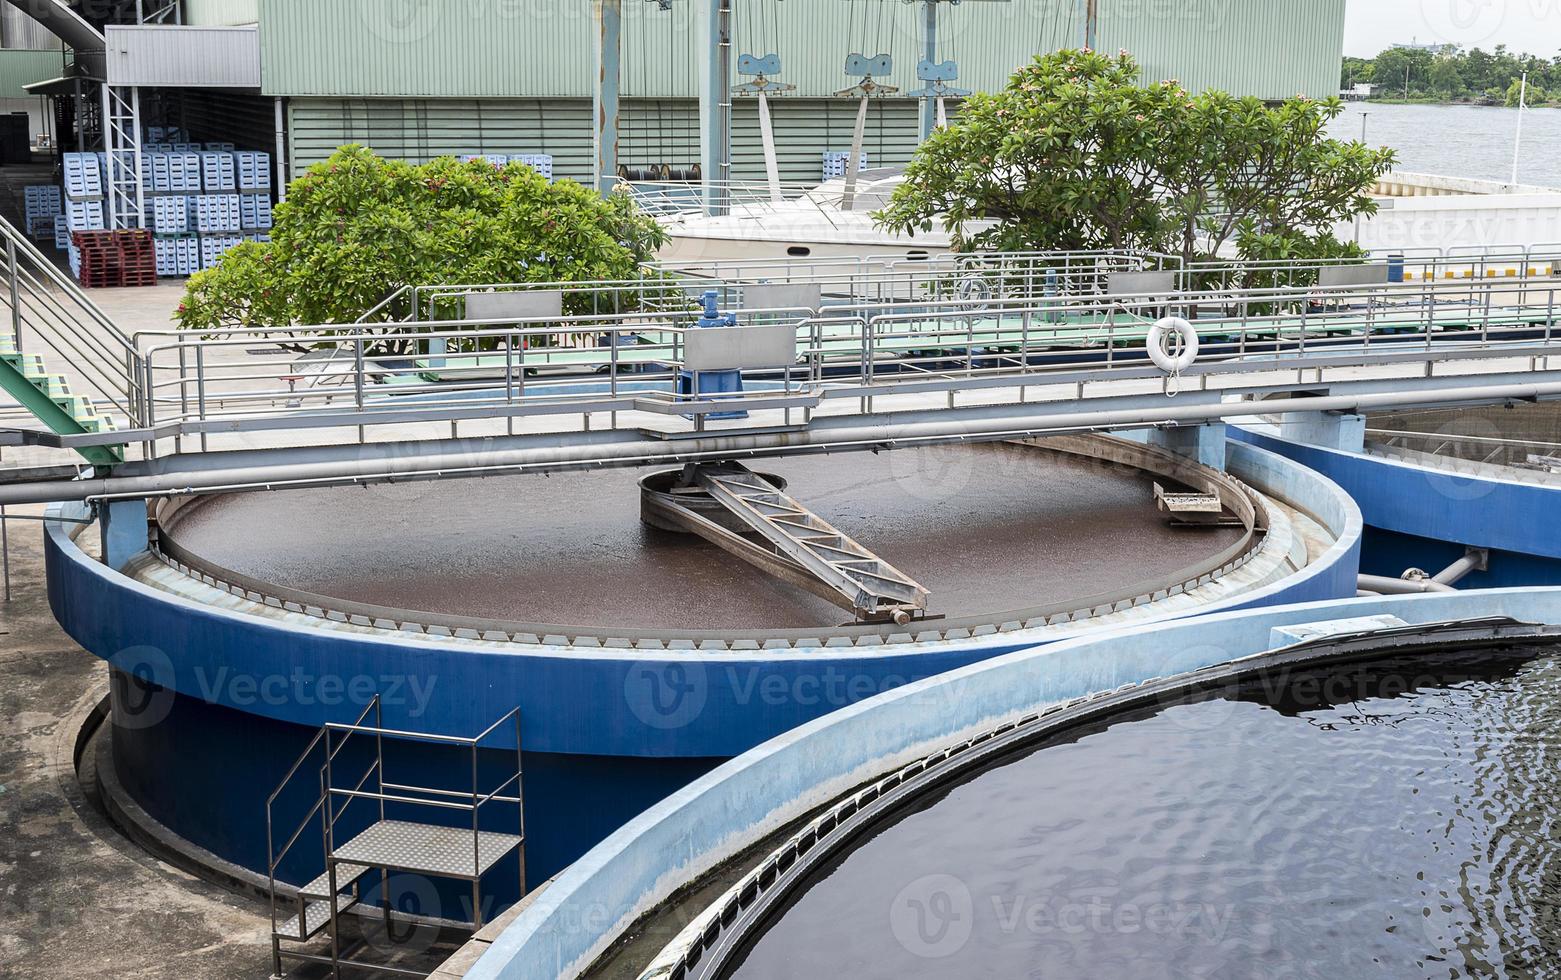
[
  {"x": 357, "y": 227},
  {"x": 1075, "y": 153},
  {"x": 1451, "y": 74}
]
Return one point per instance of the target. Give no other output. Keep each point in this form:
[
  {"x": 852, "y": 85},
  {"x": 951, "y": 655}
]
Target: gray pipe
[
  {"x": 1397, "y": 586},
  {"x": 1474, "y": 561},
  {"x": 278, "y": 468}
]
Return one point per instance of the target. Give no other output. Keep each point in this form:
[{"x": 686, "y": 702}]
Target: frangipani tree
[
  {"x": 1077, "y": 153},
  {"x": 357, "y": 227}
]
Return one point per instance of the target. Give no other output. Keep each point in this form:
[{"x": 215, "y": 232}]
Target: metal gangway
[{"x": 862, "y": 354}]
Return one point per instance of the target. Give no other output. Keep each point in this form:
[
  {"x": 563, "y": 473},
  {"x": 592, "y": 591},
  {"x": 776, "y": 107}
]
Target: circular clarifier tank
[
  {"x": 991, "y": 531},
  {"x": 1394, "y": 817}
]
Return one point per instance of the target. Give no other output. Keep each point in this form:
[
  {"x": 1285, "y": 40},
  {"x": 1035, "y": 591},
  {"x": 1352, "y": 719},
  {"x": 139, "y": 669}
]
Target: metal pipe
[
  {"x": 1476, "y": 560},
  {"x": 275, "y": 468},
  {"x": 1398, "y": 586}
]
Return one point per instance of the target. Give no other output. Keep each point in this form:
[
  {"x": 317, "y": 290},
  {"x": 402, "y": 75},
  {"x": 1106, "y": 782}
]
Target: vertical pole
[
  {"x": 15, "y": 293},
  {"x": 609, "y": 65},
  {"x": 5, "y": 553},
  {"x": 929, "y": 40},
  {"x": 715, "y": 71},
  {"x": 1091, "y": 24},
  {"x": 136, "y": 157},
  {"x": 111, "y": 194},
  {"x": 280, "y": 163},
  {"x": 1517, "y": 148},
  {"x": 81, "y": 120}
]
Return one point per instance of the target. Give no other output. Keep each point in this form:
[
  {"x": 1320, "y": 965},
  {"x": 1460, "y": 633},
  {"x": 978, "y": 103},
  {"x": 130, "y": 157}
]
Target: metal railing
[
  {"x": 39, "y": 303},
  {"x": 607, "y": 363}
]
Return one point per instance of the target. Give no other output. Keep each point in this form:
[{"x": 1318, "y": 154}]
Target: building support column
[
  {"x": 281, "y": 162},
  {"x": 1204, "y": 444},
  {"x": 605, "y": 96},
  {"x": 1330, "y": 430},
  {"x": 715, "y": 103},
  {"x": 124, "y": 529},
  {"x": 929, "y": 43}
]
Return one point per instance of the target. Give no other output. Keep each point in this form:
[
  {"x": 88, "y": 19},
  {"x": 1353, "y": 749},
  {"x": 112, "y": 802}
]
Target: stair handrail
[{"x": 273, "y": 857}]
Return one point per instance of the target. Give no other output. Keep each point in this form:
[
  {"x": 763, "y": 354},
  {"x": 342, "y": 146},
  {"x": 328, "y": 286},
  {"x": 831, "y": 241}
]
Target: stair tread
[
  {"x": 316, "y": 916},
  {"x": 346, "y": 874}
]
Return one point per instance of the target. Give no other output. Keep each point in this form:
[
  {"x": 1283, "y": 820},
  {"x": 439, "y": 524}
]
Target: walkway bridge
[{"x": 831, "y": 357}]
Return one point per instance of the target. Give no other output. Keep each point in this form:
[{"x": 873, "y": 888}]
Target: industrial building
[{"x": 420, "y": 79}]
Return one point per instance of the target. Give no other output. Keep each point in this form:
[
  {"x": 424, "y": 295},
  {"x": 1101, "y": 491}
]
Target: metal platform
[{"x": 446, "y": 852}]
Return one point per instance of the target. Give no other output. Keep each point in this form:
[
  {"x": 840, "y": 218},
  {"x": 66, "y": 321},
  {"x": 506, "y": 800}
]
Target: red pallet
[{"x": 117, "y": 258}]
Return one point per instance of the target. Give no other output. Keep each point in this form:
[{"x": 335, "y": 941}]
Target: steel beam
[
  {"x": 715, "y": 103},
  {"x": 388, "y": 462},
  {"x": 608, "y": 47},
  {"x": 929, "y": 43}
]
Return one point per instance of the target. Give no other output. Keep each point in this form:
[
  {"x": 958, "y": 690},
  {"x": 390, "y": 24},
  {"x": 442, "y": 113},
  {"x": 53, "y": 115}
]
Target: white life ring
[{"x": 1173, "y": 357}]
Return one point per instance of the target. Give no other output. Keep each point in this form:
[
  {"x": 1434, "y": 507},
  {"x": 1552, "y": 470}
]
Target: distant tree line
[{"x": 1451, "y": 74}]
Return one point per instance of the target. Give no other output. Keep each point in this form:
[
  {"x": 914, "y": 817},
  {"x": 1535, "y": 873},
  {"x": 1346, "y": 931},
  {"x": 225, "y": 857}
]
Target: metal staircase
[
  {"x": 853, "y": 576},
  {"x": 66, "y": 364},
  {"x": 361, "y": 846}
]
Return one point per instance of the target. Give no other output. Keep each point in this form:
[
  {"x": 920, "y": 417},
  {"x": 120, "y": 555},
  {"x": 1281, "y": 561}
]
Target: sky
[{"x": 1527, "y": 26}]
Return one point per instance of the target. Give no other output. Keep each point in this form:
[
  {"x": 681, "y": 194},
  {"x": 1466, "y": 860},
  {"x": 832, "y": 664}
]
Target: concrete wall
[{"x": 755, "y": 795}]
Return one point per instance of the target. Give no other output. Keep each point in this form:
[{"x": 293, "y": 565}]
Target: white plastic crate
[
  {"x": 184, "y": 173},
  {"x": 83, "y": 177},
  {"x": 213, "y": 247},
  {"x": 185, "y": 147},
  {"x": 221, "y": 147},
  {"x": 42, "y": 199},
  {"x": 170, "y": 215},
  {"x": 84, "y": 215},
  {"x": 542, "y": 163},
  {"x": 254, "y": 170},
  {"x": 216, "y": 213},
  {"x": 255, "y": 211},
  {"x": 61, "y": 233},
  {"x": 218, "y": 173},
  {"x": 835, "y": 163},
  {"x": 256, "y": 236}
]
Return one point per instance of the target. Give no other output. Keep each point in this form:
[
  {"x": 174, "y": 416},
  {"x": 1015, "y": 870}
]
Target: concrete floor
[{"x": 76, "y": 898}]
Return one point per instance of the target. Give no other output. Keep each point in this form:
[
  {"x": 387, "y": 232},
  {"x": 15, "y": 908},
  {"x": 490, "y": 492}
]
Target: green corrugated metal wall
[
  {"x": 514, "y": 76},
  {"x": 654, "y": 131},
  {"x": 1250, "y": 47},
  {"x": 20, "y": 67},
  {"x": 221, "y": 13},
  {"x": 542, "y": 48}
]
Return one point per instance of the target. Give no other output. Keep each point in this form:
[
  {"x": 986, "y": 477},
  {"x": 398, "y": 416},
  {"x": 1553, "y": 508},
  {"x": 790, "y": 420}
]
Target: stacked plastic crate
[
  {"x": 254, "y": 184},
  {"x": 42, "y": 204},
  {"x": 835, "y": 163},
  {"x": 176, "y": 173},
  {"x": 83, "y": 192}
]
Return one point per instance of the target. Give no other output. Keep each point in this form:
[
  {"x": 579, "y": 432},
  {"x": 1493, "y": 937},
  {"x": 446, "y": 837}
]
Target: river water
[{"x": 1461, "y": 141}]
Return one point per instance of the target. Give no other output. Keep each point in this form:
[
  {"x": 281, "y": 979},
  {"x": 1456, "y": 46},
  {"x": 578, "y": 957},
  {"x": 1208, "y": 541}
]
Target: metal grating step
[
  {"x": 317, "y": 915},
  {"x": 426, "y": 849},
  {"x": 346, "y": 875}
]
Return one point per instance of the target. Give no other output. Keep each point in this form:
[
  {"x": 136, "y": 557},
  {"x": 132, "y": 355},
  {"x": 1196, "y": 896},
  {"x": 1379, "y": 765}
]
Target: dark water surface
[
  {"x": 1381, "y": 822},
  {"x": 987, "y": 528}
]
